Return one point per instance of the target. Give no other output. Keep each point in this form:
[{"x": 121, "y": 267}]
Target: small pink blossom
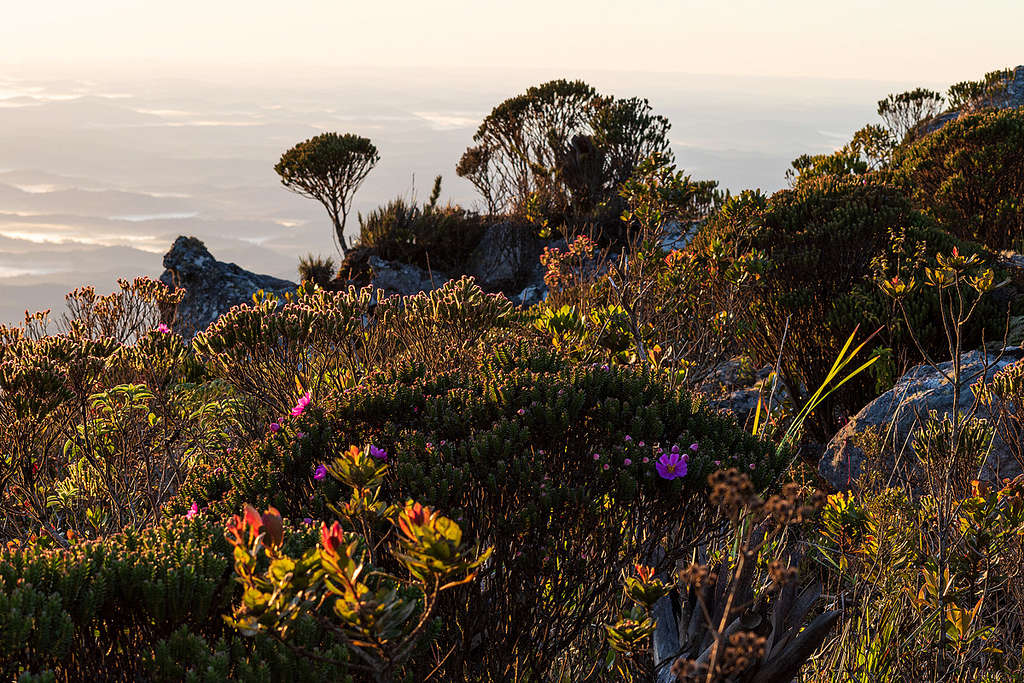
[
  {"x": 320, "y": 472},
  {"x": 627, "y": 462},
  {"x": 192, "y": 511},
  {"x": 275, "y": 427},
  {"x": 301, "y": 405},
  {"x": 163, "y": 329}
]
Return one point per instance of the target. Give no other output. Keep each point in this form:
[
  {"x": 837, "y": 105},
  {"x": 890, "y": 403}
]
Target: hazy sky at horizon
[{"x": 933, "y": 40}]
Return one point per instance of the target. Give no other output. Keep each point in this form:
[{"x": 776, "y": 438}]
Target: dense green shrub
[
  {"x": 316, "y": 269},
  {"x": 135, "y": 606},
  {"x": 801, "y": 266},
  {"x": 551, "y": 465},
  {"x": 561, "y": 151},
  {"x": 431, "y": 236},
  {"x": 969, "y": 176}
]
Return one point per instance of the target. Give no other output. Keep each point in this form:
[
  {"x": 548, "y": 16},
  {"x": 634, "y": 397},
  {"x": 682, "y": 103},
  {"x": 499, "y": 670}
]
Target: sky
[{"x": 925, "y": 40}]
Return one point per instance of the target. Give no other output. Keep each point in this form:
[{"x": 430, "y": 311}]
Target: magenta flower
[
  {"x": 163, "y": 329},
  {"x": 606, "y": 466},
  {"x": 521, "y": 411},
  {"x": 274, "y": 427},
  {"x": 597, "y": 456},
  {"x": 671, "y": 466},
  {"x": 192, "y": 511},
  {"x": 301, "y": 405},
  {"x": 627, "y": 462},
  {"x": 378, "y": 453},
  {"x": 307, "y": 520},
  {"x": 320, "y": 472},
  {"x": 693, "y": 447}
]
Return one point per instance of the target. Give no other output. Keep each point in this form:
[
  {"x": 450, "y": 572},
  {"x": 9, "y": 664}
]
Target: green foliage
[
  {"x": 329, "y": 168},
  {"x": 508, "y": 450},
  {"x": 433, "y": 236},
  {"x": 969, "y": 176},
  {"x": 989, "y": 91},
  {"x": 772, "y": 255},
  {"x": 904, "y": 113},
  {"x": 316, "y": 269},
  {"x": 378, "y": 616},
  {"x": 564, "y": 148}
]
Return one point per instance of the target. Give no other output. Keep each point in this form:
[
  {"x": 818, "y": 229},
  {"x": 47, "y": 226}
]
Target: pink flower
[
  {"x": 606, "y": 466},
  {"x": 671, "y": 466},
  {"x": 163, "y": 329},
  {"x": 693, "y": 447},
  {"x": 627, "y": 462},
  {"x": 300, "y": 435},
  {"x": 301, "y": 405},
  {"x": 597, "y": 456},
  {"x": 320, "y": 472},
  {"x": 192, "y": 511}
]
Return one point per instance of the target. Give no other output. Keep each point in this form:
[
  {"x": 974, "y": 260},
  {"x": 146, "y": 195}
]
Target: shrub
[
  {"x": 138, "y": 605},
  {"x": 329, "y": 168},
  {"x": 969, "y": 176},
  {"x": 551, "y": 465},
  {"x": 430, "y": 236},
  {"x": 562, "y": 148},
  {"x": 798, "y": 268},
  {"x": 99, "y": 432},
  {"x": 272, "y": 352},
  {"x": 316, "y": 269}
]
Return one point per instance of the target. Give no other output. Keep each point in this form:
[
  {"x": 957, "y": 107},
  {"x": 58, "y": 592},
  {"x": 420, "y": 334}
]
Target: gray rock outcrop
[
  {"x": 896, "y": 415},
  {"x": 212, "y": 287},
  {"x": 403, "y": 278}
]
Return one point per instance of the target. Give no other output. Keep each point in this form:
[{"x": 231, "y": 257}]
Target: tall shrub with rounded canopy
[
  {"x": 969, "y": 175},
  {"x": 329, "y": 168},
  {"x": 562, "y": 148}
]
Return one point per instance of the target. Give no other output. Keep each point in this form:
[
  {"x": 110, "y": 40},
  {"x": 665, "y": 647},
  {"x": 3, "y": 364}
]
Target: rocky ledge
[{"x": 212, "y": 287}]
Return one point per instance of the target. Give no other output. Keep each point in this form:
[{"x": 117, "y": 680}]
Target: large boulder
[
  {"x": 212, "y": 287},
  {"x": 403, "y": 278},
  {"x": 505, "y": 258},
  {"x": 896, "y": 415}
]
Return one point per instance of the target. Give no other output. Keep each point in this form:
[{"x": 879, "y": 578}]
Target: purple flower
[
  {"x": 693, "y": 447},
  {"x": 274, "y": 427},
  {"x": 378, "y": 453},
  {"x": 628, "y": 438},
  {"x": 641, "y": 444},
  {"x": 301, "y": 405},
  {"x": 627, "y": 462},
  {"x": 675, "y": 449},
  {"x": 671, "y": 466},
  {"x": 192, "y": 511},
  {"x": 307, "y": 520},
  {"x": 521, "y": 411},
  {"x": 320, "y": 472}
]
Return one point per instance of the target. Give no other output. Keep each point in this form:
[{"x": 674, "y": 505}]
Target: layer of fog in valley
[{"x": 99, "y": 172}]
